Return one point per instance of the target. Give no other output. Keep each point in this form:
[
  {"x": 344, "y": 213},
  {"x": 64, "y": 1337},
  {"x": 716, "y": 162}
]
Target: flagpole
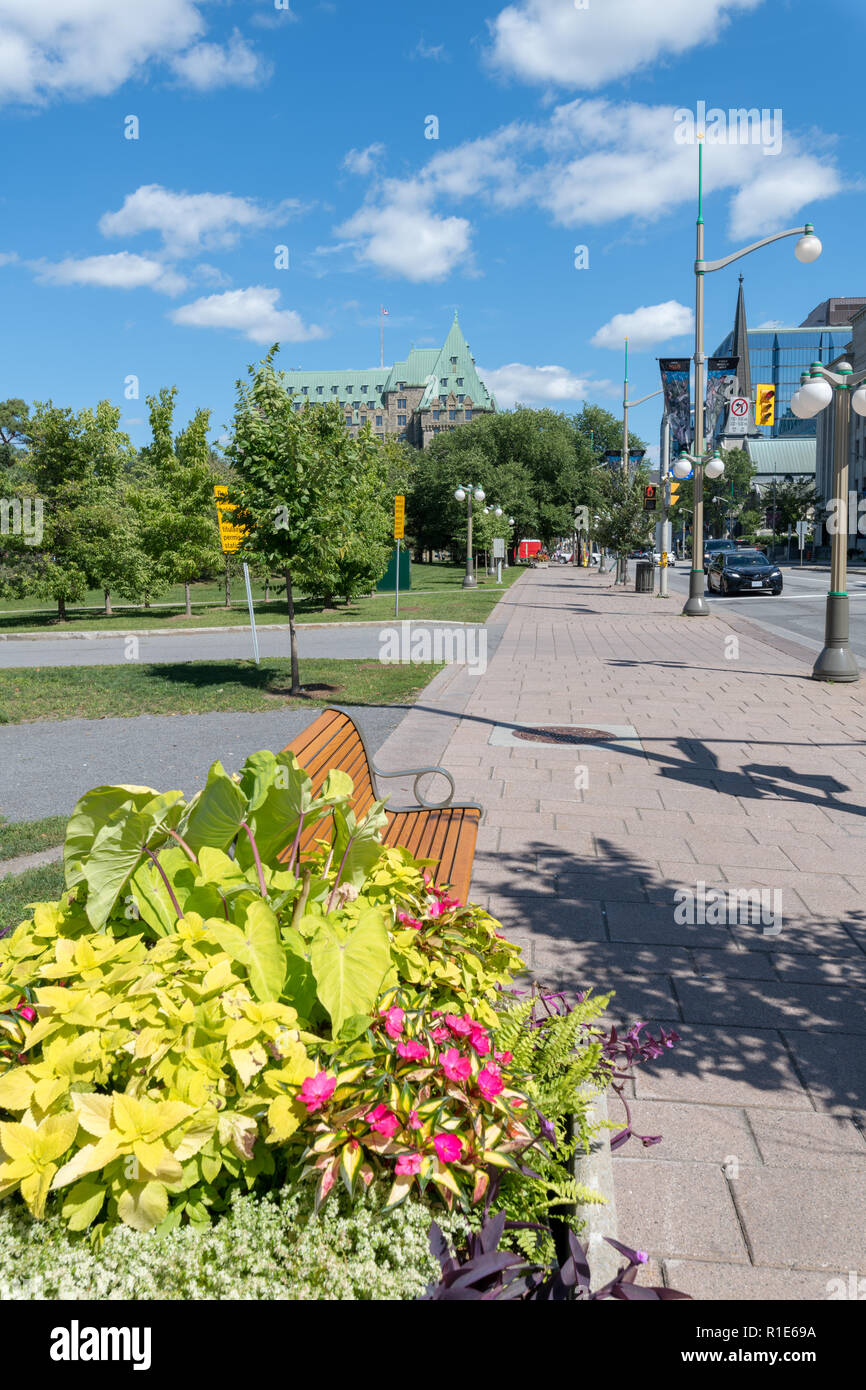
[{"x": 381, "y": 337}]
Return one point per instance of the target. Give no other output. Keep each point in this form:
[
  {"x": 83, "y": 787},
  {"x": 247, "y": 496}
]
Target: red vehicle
[{"x": 527, "y": 550}]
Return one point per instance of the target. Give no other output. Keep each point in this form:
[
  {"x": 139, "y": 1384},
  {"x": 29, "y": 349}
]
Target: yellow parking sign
[
  {"x": 399, "y": 518},
  {"x": 231, "y": 534}
]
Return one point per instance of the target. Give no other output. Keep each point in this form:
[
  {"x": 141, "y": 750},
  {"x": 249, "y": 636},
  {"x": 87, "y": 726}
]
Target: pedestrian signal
[
  {"x": 649, "y": 497},
  {"x": 765, "y": 405}
]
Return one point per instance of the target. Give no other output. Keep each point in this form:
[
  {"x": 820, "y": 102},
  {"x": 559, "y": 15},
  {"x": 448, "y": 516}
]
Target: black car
[
  {"x": 714, "y": 548},
  {"x": 747, "y": 571}
]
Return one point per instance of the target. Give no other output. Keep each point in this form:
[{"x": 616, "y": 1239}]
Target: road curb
[
  {"x": 595, "y": 1170},
  {"x": 22, "y": 862},
  {"x": 121, "y": 633}
]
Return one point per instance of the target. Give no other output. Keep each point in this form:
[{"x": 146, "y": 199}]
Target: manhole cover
[{"x": 564, "y": 735}]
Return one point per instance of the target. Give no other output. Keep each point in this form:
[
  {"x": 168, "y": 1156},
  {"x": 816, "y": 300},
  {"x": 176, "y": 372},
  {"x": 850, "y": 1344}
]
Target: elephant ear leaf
[
  {"x": 119, "y": 848},
  {"x": 256, "y": 945},
  {"x": 91, "y": 813},
  {"x": 349, "y": 967},
  {"x": 215, "y": 816},
  {"x": 364, "y": 847}
]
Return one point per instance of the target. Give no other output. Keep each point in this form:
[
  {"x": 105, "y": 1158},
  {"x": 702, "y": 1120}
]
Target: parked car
[
  {"x": 745, "y": 571},
  {"x": 712, "y": 548}
]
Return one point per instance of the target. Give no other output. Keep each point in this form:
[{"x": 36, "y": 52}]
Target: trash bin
[{"x": 643, "y": 582}]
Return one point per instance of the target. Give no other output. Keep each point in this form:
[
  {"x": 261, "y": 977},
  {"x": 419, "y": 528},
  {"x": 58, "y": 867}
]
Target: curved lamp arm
[
  {"x": 641, "y": 400},
  {"x": 702, "y": 267},
  {"x": 846, "y": 379}
]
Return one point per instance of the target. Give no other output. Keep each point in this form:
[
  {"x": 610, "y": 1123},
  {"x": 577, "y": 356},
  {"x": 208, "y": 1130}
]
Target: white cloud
[
  {"x": 402, "y": 236},
  {"x": 589, "y": 162},
  {"x": 363, "y": 161},
  {"x": 253, "y": 312},
  {"x": 209, "y": 65},
  {"x": 555, "y": 41},
  {"x": 519, "y": 382},
  {"x": 188, "y": 221},
  {"x": 81, "y": 48},
  {"x": 786, "y": 187},
  {"x": 8, "y": 257},
  {"x": 646, "y": 326},
  {"x": 434, "y": 52},
  {"x": 121, "y": 271}
]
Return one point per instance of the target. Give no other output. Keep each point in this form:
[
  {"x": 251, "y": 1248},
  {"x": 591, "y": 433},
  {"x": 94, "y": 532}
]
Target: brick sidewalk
[{"x": 747, "y": 775}]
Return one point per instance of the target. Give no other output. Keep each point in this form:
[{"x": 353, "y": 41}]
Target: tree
[
  {"x": 182, "y": 539},
  {"x": 14, "y": 425},
  {"x": 295, "y": 475},
  {"x": 623, "y": 525},
  {"x": 72, "y": 465},
  {"x": 723, "y": 497}
]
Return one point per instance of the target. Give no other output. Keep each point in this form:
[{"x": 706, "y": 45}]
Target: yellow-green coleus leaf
[
  {"x": 31, "y": 1155},
  {"x": 143, "y": 1205}
]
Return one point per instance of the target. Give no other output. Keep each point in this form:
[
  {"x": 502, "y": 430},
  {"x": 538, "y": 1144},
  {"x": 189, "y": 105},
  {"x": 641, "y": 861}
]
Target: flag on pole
[{"x": 384, "y": 312}]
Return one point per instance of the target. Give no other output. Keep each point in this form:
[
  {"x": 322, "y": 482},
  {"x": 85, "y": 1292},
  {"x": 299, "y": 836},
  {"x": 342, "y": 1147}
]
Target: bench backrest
[{"x": 333, "y": 740}]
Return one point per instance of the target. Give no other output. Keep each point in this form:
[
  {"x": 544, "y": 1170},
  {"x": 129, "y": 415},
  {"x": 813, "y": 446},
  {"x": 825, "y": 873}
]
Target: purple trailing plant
[{"x": 485, "y": 1273}]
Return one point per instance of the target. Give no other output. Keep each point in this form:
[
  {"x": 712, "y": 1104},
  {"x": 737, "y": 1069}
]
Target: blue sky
[{"x": 261, "y": 126}]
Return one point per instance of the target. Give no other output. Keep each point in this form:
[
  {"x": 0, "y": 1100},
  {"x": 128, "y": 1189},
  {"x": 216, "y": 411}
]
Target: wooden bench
[{"x": 428, "y": 830}]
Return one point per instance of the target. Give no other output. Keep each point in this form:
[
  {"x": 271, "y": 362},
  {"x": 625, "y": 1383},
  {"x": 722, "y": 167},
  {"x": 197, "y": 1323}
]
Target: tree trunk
[
  {"x": 187, "y": 599},
  {"x": 107, "y": 593},
  {"x": 293, "y": 636},
  {"x": 268, "y": 589},
  {"x": 61, "y": 610},
  {"x": 228, "y": 602}
]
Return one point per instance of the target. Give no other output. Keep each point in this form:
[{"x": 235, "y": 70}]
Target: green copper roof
[
  {"x": 455, "y": 360},
  {"x": 436, "y": 369},
  {"x": 780, "y": 456}
]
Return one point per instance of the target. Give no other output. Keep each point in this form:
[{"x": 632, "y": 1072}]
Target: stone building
[{"x": 433, "y": 390}]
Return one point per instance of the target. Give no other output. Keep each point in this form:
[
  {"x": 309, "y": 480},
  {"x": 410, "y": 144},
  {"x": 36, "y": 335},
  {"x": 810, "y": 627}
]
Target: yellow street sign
[
  {"x": 765, "y": 405},
  {"x": 399, "y": 518},
  {"x": 231, "y": 535}
]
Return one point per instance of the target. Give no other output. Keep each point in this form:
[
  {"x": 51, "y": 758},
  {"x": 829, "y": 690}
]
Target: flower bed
[{"x": 205, "y": 1015}]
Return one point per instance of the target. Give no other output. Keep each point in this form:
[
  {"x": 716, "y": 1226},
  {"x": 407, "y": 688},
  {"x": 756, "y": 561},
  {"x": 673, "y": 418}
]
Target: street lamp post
[
  {"x": 836, "y": 661},
  {"x": 466, "y": 494},
  {"x": 622, "y": 559},
  {"x": 808, "y": 249}
]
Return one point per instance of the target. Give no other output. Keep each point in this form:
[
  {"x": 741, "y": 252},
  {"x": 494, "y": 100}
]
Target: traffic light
[
  {"x": 675, "y": 492},
  {"x": 649, "y": 497},
  {"x": 765, "y": 405}
]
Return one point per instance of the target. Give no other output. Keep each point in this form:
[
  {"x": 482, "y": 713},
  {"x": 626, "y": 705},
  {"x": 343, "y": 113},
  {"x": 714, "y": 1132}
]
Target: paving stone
[
  {"x": 556, "y": 918},
  {"x": 809, "y": 967},
  {"x": 808, "y": 1141},
  {"x": 648, "y": 924},
  {"x": 734, "y": 964},
  {"x": 715, "y": 1280},
  {"x": 722, "y": 1066},
  {"x": 792, "y": 1219},
  {"x": 833, "y": 1068},
  {"x": 764, "y": 1004},
  {"x": 677, "y": 1210},
  {"x": 715, "y": 1134}
]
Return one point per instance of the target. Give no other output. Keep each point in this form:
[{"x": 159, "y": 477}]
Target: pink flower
[
  {"x": 504, "y": 1058},
  {"x": 384, "y": 1121},
  {"x": 316, "y": 1090},
  {"x": 409, "y": 921},
  {"x": 455, "y": 1067},
  {"x": 448, "y": 1148},
  {"x": 414, "y": 1120},
  {"x": 489, "y": 1081},
  {"x": 480, "y": 1041},
  {"x": 394, "y": 1018},
  {"x": 460, "y": 1027},
  {"x": 407, "y": 1165},
  {"x": 28, "y": 1013},
  {"x": 440, "y": 1034},
  {"x": 412, "y": 1051}
]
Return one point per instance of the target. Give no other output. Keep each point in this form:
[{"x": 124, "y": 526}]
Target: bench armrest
[{"x": 418, "y": 772}]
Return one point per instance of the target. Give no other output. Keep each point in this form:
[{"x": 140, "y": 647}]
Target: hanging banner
[
  {"x": 721, "y": 389},
  {"x": 675, "y": 383}
]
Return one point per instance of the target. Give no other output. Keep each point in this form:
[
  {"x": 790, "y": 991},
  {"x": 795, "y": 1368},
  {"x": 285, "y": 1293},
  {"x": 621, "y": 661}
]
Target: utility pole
[{"x": 666, "y": 505}]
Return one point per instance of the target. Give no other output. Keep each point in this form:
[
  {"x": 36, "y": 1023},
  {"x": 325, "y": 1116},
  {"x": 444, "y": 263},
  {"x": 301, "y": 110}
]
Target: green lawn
[
  {"x": 437, "y": 592},
  {"x": 200, "y": 687},
  {"x": 40, "y": 885},
  {"x": 30, "y": 836}
]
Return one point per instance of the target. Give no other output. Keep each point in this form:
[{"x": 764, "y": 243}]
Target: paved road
[
  {"x": 797, "y": 613},
  {"x": 45, "y": 767},
  {"x": 336, "y": 641}
]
